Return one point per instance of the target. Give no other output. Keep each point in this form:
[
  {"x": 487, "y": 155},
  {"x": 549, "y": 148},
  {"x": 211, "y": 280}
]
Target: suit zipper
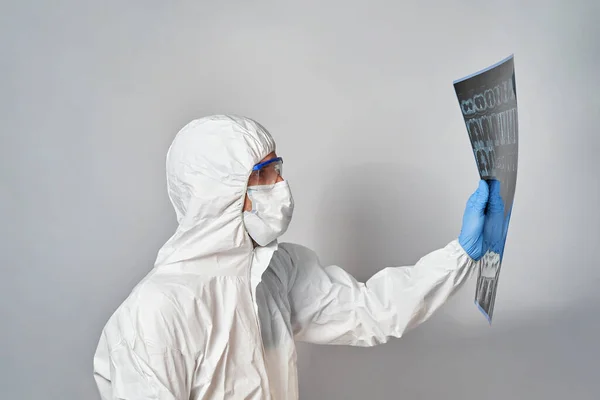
[{"x": 257, "y": 322}]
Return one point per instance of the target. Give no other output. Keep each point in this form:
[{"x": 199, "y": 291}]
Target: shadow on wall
[{"x": 552, "y": 358}]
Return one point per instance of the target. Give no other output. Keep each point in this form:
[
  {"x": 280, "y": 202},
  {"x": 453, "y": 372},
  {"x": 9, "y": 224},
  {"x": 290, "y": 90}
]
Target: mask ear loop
[{"x": 256, "y": 167}]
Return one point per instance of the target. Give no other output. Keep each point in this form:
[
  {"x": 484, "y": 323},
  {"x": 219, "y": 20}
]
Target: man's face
[{"x": 267, "y": 175}]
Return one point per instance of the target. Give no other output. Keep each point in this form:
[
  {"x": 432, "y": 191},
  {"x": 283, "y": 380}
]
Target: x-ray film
[{"x": 488, "y": 102}]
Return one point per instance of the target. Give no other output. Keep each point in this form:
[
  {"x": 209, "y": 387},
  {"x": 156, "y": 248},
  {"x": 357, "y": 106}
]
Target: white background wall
[{"x": 92, "y": 93}]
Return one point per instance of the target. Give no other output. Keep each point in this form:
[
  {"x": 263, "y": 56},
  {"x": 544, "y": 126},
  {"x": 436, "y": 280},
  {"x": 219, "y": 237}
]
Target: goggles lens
[{"x": 266, "y": 173}]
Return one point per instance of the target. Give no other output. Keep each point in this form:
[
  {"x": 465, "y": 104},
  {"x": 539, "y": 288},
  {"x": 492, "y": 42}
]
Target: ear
[{"x": 247, "y": 203}]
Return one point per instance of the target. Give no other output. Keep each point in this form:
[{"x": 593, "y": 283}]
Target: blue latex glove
[
  {"x": 494, "y": 230},
  {"x": 471, "y": 233}
]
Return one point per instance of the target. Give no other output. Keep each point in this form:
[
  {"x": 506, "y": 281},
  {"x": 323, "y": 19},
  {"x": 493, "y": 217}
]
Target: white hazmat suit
[{"x": 217, "y": 318}]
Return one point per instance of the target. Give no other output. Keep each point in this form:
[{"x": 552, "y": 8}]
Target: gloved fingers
[
  {"x": 496, "y": 204},
  {"x": 478, "y": 200},
  {"x": 494, "y": 185}
]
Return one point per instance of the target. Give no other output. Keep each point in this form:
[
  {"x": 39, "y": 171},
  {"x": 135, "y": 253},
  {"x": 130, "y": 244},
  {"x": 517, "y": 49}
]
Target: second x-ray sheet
[{"x": 488, "y": 102}]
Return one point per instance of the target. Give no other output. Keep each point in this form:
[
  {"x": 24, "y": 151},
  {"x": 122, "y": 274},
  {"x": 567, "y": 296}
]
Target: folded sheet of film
[{"x": 488, "y": 103}]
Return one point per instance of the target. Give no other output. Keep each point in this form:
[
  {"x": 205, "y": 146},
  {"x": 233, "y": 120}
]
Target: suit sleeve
[{"x": 329, "y": 306}]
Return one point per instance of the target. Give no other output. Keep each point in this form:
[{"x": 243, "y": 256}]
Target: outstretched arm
[{"x": 329, "y": 306}]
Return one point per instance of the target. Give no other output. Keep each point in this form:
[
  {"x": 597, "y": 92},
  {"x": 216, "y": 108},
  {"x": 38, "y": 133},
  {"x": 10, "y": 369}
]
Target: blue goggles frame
[{"x": 258, "y": 166}]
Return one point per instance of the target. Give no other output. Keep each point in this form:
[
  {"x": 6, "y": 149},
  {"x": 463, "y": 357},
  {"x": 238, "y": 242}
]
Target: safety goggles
[{"x": 266, "y": 173}]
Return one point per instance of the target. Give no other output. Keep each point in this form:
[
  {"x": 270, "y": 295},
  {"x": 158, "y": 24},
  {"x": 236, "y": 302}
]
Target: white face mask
[{"x": 272, "y": 209}]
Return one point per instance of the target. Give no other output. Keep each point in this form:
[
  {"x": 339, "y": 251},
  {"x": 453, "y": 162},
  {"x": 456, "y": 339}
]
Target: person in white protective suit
[{"x": 217, "y": 316}]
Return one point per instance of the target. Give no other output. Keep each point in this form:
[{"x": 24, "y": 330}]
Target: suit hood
[{"x": 207, "y": 168}]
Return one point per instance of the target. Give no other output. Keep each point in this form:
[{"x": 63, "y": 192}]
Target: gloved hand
[
  {"x": 494, "y": 230},
  {"x": 471, "y": 233}
]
